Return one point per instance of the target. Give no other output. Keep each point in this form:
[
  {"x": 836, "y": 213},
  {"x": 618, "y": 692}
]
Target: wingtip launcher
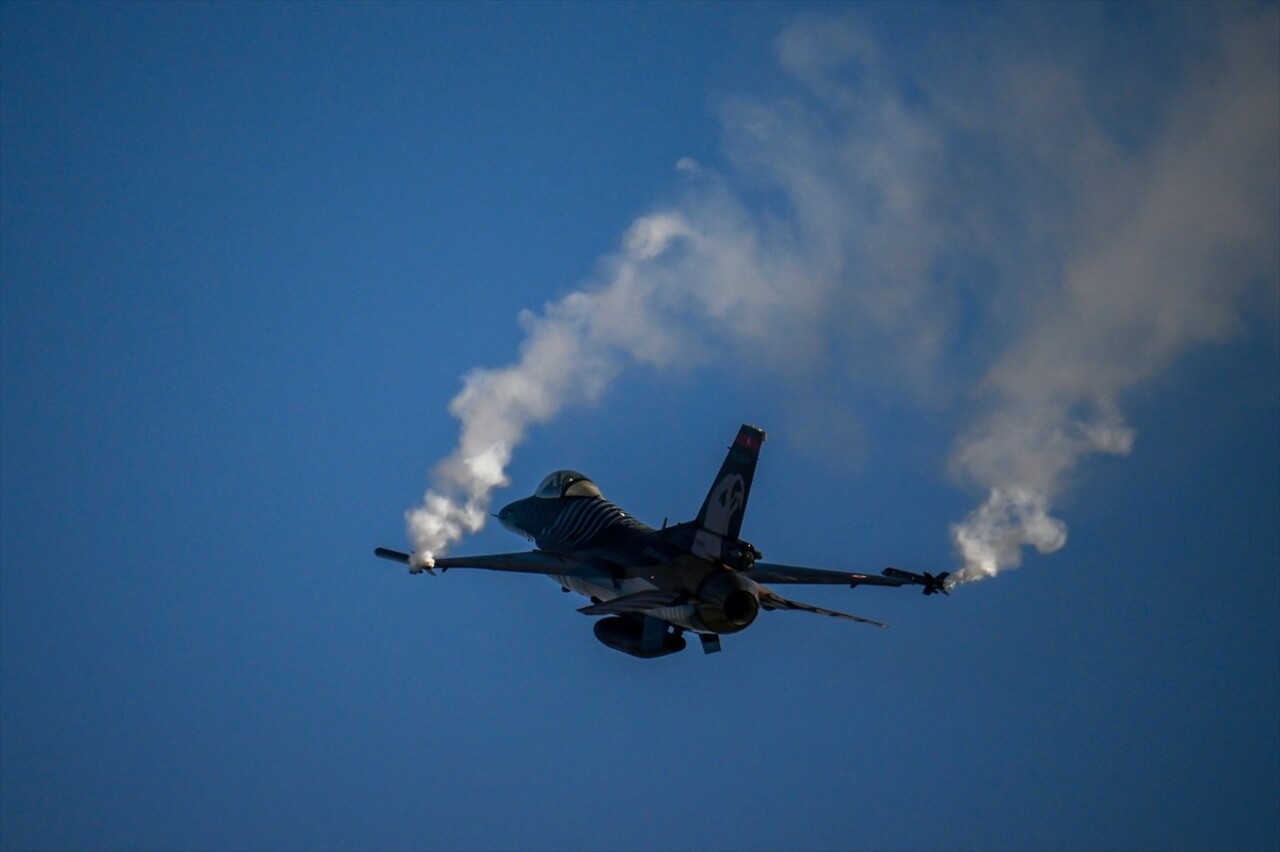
[{"x": 933, "y": 583}]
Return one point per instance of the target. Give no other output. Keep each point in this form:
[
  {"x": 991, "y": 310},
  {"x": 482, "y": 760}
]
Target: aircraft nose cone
[{"x": 506, "y": 517}]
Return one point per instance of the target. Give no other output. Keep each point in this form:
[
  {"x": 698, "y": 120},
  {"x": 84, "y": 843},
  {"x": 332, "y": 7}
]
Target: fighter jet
[{"x": 654, "y": 585}]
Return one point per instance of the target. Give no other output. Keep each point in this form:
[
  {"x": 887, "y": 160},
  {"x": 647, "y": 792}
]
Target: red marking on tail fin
[{"x": 749, "y": 440}]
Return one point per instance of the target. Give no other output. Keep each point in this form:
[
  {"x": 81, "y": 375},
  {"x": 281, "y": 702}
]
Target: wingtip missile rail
[
  {"x": 393, "y": 555},
  {"x": 933, "y": 583}
]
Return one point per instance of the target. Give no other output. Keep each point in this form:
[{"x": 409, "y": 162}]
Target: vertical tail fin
[{"x": 726, "y": 502}]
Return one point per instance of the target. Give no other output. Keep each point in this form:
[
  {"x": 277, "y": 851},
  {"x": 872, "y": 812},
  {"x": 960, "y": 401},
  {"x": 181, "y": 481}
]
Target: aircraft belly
[
  {"x": 604, "y": 590},
  {"x": 684, "y": 616}
]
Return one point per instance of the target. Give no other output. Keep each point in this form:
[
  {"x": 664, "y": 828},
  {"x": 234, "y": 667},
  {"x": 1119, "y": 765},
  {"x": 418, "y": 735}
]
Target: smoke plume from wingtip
[
  {"x": 993, "y": 535},
  {"x": 1174, "y": 242},
  {"x": 571, "y": 353},
  {"x": 1022, "y": 454}
]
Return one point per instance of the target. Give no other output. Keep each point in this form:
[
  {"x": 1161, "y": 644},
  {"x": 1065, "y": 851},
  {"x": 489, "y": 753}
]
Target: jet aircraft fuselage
[
  {"x": 655, "y": 584},
  {"x": 707, "y": 597}
]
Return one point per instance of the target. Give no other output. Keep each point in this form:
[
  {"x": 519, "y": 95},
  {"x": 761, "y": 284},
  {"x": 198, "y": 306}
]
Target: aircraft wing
[
  {"x": 770, "y": 600},
  {"x": 772, "y": 572},
  {"x": 527, "y": 562}
]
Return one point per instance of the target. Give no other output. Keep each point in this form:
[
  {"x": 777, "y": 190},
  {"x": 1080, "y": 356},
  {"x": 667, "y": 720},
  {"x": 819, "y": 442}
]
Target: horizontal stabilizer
[
  {"x": 771, "y": 600},
  {"x": 638, "y": 602}
]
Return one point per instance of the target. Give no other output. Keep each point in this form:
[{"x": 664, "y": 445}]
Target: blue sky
[{"x": 950, "y": 257}]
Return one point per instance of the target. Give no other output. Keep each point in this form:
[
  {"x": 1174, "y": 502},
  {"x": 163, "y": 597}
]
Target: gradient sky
[{"x": 248, "y": 252}]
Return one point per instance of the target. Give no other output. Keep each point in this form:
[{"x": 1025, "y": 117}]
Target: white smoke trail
[
  {"x": 1023, "y": 455},
  {"x": 1172, "y": 241},
  {"x": 562, "y": 360},
  {"x": 846, "y": 204}
]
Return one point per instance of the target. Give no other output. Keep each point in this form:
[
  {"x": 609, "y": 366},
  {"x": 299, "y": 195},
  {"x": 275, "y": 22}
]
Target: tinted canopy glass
[{"x": 567, "y": 483}]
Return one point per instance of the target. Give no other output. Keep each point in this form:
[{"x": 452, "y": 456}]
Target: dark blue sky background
[{"x": 247, "y": 252}]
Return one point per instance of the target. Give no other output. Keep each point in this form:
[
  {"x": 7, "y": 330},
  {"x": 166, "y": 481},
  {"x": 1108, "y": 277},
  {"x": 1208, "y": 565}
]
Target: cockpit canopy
[{"x": 567, "y": 483}]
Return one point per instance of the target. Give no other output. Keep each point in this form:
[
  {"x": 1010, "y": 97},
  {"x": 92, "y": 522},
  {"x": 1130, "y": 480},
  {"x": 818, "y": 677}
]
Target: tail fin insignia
[{"x": 726, "y": 502}]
